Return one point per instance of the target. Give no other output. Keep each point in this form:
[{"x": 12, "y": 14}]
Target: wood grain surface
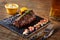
[{"x": 40, "y": 7}]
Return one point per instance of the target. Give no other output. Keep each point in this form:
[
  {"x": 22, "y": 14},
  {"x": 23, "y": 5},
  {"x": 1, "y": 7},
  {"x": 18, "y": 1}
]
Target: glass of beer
[{"x": 55, "y": 10}]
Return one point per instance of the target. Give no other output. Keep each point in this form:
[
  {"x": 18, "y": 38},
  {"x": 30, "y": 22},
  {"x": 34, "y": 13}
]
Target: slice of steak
[{"x": 25, "y": 20}]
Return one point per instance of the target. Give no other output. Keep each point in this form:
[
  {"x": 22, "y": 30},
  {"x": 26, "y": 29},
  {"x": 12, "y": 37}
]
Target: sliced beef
[{"x": 25, "y": 20}]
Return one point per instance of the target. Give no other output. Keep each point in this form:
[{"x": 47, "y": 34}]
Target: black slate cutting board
[{"x": 7, "y": 23}]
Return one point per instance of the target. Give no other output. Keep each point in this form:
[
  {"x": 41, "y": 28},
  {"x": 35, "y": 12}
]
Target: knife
[{"x": 49, "y": 31}]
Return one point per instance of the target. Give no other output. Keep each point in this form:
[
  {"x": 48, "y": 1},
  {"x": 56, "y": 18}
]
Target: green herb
[{"x": 27, "y": 12}]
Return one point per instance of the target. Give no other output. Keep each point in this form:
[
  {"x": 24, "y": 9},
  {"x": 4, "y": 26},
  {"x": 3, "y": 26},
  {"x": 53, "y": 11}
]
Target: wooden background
[{"x": 40, "y": 7}]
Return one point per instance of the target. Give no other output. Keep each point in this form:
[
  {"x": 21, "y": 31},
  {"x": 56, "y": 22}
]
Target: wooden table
[{"x": 40, "y": 7}]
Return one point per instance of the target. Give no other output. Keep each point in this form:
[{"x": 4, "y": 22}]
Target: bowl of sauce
[{"x": 11, "y": 8}]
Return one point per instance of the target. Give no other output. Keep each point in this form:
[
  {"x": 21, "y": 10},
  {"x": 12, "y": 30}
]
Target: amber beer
[{"x": 55, "y": 9}]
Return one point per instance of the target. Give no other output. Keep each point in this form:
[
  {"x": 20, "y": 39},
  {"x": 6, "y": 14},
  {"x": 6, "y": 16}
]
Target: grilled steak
[{"x": 25, "y": 19}]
